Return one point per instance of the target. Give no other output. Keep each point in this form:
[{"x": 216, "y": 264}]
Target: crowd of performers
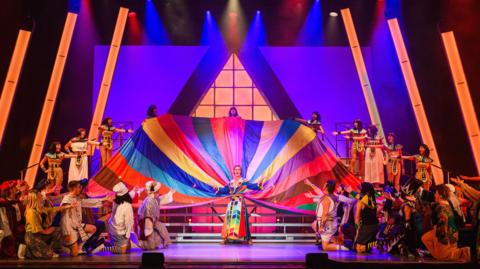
[{"x": 413, "y": 219}]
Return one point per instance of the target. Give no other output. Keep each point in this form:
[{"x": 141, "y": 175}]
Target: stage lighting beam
[
  {"x": 414, "y": 94},
  {"x": 50, "y": 98},
  {"x": 11, "y": 81},
  {"x": 108, "y": 72},
  {"x": 362, "y": 70},
  {"x": 463, "y": 94}
]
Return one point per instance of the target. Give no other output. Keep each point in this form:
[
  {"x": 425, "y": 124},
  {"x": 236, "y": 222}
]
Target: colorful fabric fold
[{"x": 195, "y": 156}]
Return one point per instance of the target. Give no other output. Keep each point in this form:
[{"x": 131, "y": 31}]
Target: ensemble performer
[
  {"x": 120, "y": 224},
  {"x": 78, "y": 146},
  {"x": 366, "y": 220},
  {"x": 233, "y": 112},
  {"x": 441, "y": 241},
  {"x": 395, "y": 167},
  {"x": 54, "y": 158},
  {"x": 358, "y": 135},
  {"x": 106, "y": 130},
  {"x": 409, "y": 211},
  {"x": 152, "y": 232},
  {"x": 12, "y": 220},
  {"x": 423, "y": 165},
  {"x": 41, "y": 238},
  {"x": 76, "y": 233},
  {"x": 326, "y": 223},
  {"x": 314, "y": 122},
  {"x": 235, "y": 227},
  {"x": 152, "y": 112},
  {"x": 374, "y": 158}
]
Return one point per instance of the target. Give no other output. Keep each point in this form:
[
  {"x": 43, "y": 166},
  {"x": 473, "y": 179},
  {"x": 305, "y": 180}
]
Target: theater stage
[{"x": 212, "y": 255}]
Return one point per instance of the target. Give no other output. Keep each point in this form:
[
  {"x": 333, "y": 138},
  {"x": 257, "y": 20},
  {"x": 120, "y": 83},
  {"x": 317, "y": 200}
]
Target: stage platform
[{"x": 260, "y": 255}]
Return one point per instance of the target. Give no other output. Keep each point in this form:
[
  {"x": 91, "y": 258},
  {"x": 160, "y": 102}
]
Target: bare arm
[
  {"x": 68, "y": 146},
  {"x": 42, "y": 164},
  {"x": 342, "y": 132},
  {"x": 470, "y": 178},
  {"x": 410, "y": 158}
]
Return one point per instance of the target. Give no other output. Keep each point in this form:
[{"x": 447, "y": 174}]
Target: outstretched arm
[
  {"x": 410, "y": 158},
  {"x": 222, "y": 190},
  {"x": 470, "y": 178},
  {"x": 342, "y": 132}
]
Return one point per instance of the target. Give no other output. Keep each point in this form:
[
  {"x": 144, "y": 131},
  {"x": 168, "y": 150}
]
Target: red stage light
[{"x": 132, "y": 14}]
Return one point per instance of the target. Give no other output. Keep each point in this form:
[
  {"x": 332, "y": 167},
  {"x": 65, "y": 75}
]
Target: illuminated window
[{"x": 234, "y": 87}]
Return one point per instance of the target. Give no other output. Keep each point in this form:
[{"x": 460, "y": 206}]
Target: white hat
[
  {"x": 149, "y": 184},
  {"x": 451, "y": 188},
  {"x": 120, "y": 189}
]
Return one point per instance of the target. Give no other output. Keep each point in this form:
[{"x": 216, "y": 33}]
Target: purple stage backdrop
[
  {"x": 145, "y": 75},
  {"x": 322, "y": 79}
]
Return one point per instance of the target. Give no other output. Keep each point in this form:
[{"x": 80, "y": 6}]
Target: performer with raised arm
[
  {"x": 153, "y": 233},
  {"x": 54, "y": 158},
  {"x": 41, "y": 238},
  {"x": 326, "y": 223},
  {"x": 374, "y": 158},
  {"x": 358, "y": 135},
  {"x": 423, "y": 165},
  {"x": 235, "y": 227},
  {"x": 76, "y": 233},
  {"x": 78, "y": 146},
  {"x": 106, "y": 130},
  {"x": 314, "y": 122},
  {"x": 395, "y": 167}
]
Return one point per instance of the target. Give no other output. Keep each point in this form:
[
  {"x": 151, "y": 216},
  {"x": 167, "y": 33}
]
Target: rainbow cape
[{"x": 195, "y": 155}]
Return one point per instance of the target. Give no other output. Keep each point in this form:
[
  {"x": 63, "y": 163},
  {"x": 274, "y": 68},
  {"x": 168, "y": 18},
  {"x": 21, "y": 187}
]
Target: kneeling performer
[{"x": 152, "y": 233}]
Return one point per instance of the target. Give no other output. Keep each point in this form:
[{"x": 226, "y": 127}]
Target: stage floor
[{"x": 211, "y": 255}]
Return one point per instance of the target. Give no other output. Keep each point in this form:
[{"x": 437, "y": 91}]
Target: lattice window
[{"x": 234, "y": 87}]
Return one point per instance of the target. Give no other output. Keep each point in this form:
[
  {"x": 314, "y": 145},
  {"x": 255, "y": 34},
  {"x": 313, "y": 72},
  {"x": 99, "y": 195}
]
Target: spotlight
[
  {"x": 333, "y": 14},
  {"x": 132, "y": 14},
  {"x": 258, "y": 11},
  {"x": 208, "y": 12}
]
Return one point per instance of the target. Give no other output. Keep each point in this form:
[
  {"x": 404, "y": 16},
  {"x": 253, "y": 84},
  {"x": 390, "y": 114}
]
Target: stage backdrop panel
[
  {"x": 322, "y": 79},
  {"x": 145, "y": 75}
]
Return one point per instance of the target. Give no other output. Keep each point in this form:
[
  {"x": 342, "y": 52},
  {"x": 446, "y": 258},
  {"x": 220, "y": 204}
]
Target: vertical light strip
[
  {"x": 50, "y": 98},
  {"x": 463, "y": 94},
  {"x": 10, "y": 85},
  {"x": 108, "y": 73},
  {"x": 362, "y": 70},
  {"x": 414, "y": 94}
]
